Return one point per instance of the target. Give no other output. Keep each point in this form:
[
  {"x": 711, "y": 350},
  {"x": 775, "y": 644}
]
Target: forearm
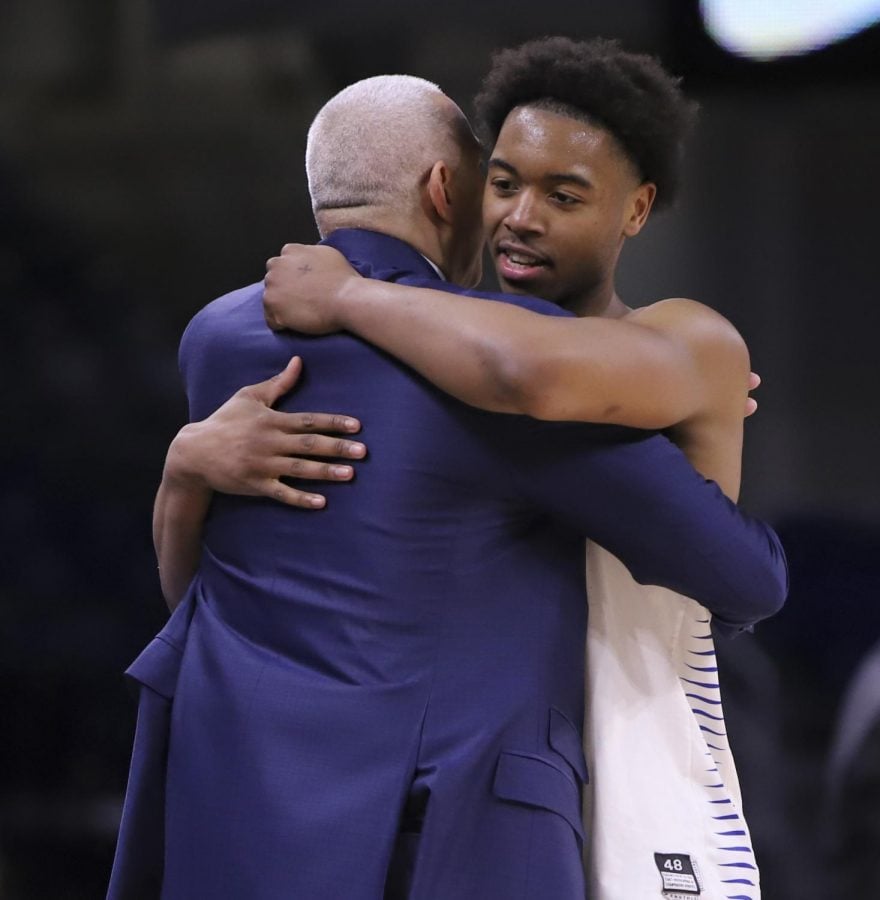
[
  {"x": 503, "y": 358},
  {"x": 475, "y": 350},
  {"x": 703, "y": 545},
  {"x": 179, "y": 514},
  {"x": 643, "y": 502}
]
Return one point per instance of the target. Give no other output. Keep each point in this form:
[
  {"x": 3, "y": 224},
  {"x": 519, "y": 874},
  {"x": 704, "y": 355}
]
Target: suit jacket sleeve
[{"x": 638, "y": 496}]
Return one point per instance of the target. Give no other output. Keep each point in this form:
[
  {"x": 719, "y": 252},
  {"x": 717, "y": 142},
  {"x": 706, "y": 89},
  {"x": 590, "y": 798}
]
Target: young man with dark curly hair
[{"x": 587, "y": 140}]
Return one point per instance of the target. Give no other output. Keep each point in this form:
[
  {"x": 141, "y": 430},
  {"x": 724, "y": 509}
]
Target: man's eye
[
  {"x": 502, "y": 184},
  {"x": 564, "y": 199}
]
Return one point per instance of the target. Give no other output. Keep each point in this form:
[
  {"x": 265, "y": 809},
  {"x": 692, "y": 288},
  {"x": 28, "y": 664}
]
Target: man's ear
[
  {"x": 641, "y": 201},
  {"x": 438, "y": 191}
]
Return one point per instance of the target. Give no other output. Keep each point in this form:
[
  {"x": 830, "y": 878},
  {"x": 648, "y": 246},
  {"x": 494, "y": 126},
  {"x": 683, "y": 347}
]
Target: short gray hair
[{"x": 375, "y": 141}]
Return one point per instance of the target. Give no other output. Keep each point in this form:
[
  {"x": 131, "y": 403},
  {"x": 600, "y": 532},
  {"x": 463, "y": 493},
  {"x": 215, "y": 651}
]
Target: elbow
[
  {"x": 765, "y": 593},
  {"x": 774, "y": 579},
  {"x": 780, "y": 575}
]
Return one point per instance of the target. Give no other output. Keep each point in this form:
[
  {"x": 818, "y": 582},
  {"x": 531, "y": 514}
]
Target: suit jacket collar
[{"x": 380, "y": 256}]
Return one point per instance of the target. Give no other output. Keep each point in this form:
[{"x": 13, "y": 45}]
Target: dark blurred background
[{"x": 151, "y": 158}]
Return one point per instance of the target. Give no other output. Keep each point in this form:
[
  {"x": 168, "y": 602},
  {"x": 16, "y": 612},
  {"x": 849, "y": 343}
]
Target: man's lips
[{"x": 518, "y": 263}]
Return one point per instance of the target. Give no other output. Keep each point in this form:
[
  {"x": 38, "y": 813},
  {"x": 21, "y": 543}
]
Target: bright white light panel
[{"x": 769, "y": 29}]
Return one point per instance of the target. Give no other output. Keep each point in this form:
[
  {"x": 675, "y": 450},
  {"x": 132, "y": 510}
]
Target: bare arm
[
  {"x": 178, "y": 518},
  {"x": 644, "y": 372},
  {"x": 245, "y": 447}
]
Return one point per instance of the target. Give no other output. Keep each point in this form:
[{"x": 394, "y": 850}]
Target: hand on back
[
  {"x": 303, "y": 288},
  {"x": 247, "y": 447}
]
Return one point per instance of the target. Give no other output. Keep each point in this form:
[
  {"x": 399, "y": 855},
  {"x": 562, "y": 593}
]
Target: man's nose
[{"x": 523, "y": 215}]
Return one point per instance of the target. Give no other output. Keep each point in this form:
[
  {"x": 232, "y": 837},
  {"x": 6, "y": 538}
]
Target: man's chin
[
  {"x": 529, "y": 288},
  {"x": 533, "y": 288}
]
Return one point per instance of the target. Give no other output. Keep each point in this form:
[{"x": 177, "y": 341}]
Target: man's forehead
[
  {"x": 533, "y": 133},
  {"x": 530, "y": 130},
  {"x": 561, "y": 109}
]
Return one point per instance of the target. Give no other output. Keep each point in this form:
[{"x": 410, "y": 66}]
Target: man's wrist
[
  {"x": 354, "y": 301},
  {"x": 350, "y": 292},
  {"x": 181, "y": 471}
]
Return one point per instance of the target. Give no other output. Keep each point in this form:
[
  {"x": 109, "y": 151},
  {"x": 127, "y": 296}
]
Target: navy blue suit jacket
[{"x": 384, "y": 698}]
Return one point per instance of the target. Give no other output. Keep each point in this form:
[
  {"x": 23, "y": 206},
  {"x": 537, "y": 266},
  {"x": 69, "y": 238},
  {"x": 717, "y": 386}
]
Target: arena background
[{"x": 151, "y": 159}]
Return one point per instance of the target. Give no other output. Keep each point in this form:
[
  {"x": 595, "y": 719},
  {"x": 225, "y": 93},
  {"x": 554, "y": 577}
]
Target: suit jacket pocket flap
[
  {"x": 566, "y": 740},
  {"x": 535, "y": 781},
  {"x": 158, "y": 664},
  {"x": 157, "y": 667}
]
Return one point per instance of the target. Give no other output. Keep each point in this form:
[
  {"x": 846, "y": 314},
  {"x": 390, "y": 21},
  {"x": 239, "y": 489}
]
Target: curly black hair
[{"x": 630, "y": 95}]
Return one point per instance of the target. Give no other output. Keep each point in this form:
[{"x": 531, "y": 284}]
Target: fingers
[
  {"x": 313, "y": 470},
  {"x": 306, "y": 469},
  {"x": 751, "y": 403},
  {"x": 290, "y": 496},
  {"x": 275, "y": 488},
  {"x": 278, "y": 385},
  {"x": 318, "y": 424},
  {"x": 318, "y": 445},
  {"x": 272, "y": 389},
  {"x": 271, "y": 318}
]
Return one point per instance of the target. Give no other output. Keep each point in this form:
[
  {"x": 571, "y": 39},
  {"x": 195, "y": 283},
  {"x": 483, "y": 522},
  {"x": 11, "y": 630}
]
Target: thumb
[{"x": 278, "y": 385}]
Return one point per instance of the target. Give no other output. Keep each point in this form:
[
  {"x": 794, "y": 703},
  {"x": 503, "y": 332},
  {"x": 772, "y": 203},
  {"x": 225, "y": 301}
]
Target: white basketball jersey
[{"x": 663, "y": 813}]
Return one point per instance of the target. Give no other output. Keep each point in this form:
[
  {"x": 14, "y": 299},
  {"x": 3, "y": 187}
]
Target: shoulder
[
  {"x": 211, "y": 330},
  {"x": 708, "y": 335},
  {"x": 221, "y": 314},
  {"x": 228, "y": 304}
]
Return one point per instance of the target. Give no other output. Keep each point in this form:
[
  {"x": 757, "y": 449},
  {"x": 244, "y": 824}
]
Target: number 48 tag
[{"x": 678, "y": 873}]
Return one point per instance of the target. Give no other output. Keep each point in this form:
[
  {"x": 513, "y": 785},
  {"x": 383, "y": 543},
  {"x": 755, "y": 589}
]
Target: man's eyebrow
[
  {"x": 501, "y": 164},
  {"x": 570, "y": 178},
  {"x": 555, "y": 177}
]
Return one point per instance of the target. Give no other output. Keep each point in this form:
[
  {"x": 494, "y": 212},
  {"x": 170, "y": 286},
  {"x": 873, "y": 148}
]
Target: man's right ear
[{"x": 438, "y": 191}]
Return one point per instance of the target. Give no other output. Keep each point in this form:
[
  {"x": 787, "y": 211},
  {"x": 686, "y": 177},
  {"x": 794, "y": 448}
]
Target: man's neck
[
  {"x": 606, "y": 306},
  {"x": 411, "y": 230}
]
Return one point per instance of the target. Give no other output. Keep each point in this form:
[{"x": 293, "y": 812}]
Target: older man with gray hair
[{"x": 385, "y": 698}]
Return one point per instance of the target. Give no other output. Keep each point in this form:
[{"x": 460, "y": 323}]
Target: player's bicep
[{"x": 615, "y": 372}]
